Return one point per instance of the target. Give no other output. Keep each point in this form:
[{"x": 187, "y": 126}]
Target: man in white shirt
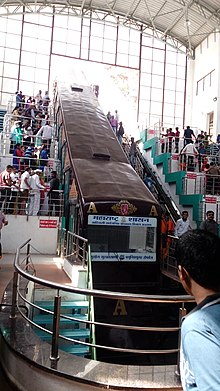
[
  {"x": 36, "y": 186},
  {"x": 45, "y": 102},
  {"x": 38, "y": 99},
  {"x": 182, "y": 225},
  {"x": 25, "y": 187},
  {"x": 46, "y": 132},
  {"x": 190, "y": 153}
]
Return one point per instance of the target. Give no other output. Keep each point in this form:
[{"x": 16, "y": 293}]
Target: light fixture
[{"x": 187, "y": 23}]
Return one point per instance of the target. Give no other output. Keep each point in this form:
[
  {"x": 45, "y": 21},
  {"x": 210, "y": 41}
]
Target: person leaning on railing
[
  {"x": 188, "y": 134},
  {"x": 53, "y": 194},
  {"x": 25, "y": 187},
  {"x": 15, "y": 136},
  {"x": 5, "y": 187},
  {"x": 212, "y": 183},
  {"x": 47, "y": 133},
  {"x": 15, "y": 189},
  {"x": 188, "y": 155}
]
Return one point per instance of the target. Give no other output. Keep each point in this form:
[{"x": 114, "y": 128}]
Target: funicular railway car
[{"x": 114, "y": 210}]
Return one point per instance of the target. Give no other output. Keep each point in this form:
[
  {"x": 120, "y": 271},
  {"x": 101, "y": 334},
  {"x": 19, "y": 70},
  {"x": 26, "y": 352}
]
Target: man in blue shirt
[
  {"x": 197, "y": 255},
  {"x": 188, "y": 133}
]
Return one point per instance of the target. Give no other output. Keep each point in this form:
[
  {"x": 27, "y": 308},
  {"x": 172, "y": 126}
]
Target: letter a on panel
[
  {"x": 120, "y": 308},
  {"x": 153, "y": 211},
  {"x": 92, "y": 208}
]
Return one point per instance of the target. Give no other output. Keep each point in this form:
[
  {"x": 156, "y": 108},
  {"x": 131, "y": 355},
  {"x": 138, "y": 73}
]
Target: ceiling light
[{"x": 187, "y": 23}]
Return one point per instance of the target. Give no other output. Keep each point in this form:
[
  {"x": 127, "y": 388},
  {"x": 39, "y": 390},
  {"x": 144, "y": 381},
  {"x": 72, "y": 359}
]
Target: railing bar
[
  {"x": 89, "y": 322},
  {"x": 167, "y": 351},
  {"x": 107, "y": 294}
]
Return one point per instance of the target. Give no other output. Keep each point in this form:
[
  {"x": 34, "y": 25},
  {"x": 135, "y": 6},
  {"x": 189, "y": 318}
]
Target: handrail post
[
  {"x": 62, "y": 242},
  {"x": 54, "y": 357},
  {"x": 67, "y": 244},
  {"x": 84, "y": 254},
  {"x": 14, "y": 295},
  {"x": 28, "y": 253},
  {"x": 76, "y": 241},
  {"x": 182, "y": 313}
]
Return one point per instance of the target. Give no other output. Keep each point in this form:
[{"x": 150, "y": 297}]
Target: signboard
[
  {"x": 126, "y": 221},
  {"x": 124, "y": 257},
  {"x": 140, "y": 255},
  {"x": 48, "y": 224},
  {"x": 191, "y": 175},
  {"x": 151, "y": 131},
  {"x": 211, "y": 200}
]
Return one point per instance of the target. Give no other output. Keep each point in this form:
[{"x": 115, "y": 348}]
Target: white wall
[
  {"x": 22, "y": 228},
  {"x": 207, "y": 58}
]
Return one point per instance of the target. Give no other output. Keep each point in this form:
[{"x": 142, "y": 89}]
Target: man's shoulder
[
  {"x": 201, "y": 318},
  {"x": 193, "y": 322},
  {"x": 203, "y": 224}
]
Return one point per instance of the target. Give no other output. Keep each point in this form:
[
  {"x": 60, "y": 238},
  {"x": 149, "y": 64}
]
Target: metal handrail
[
  {"x": 142, "y": 165},
  {"x": 101, "y": 293},
  {"x": 91, "y": 301},
  {"x": 19, "y": 271}
]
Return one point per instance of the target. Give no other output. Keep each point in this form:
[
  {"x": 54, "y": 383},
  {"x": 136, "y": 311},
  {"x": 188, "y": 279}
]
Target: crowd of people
[
  {"x": 171, "y": 231},
  {"x": 31, "y": 133},
  {"x": 24, "y": 183},
  {"x": 23, "y": 192},
  {"x": 197, "y": 151},
  {"x": 32, "y": 110},
  {"x": 26, "y": 137},
  {"x": 201, "y": 152},
  {"x": 117, "y": 126},
  {"x": 183, "y": 224}
]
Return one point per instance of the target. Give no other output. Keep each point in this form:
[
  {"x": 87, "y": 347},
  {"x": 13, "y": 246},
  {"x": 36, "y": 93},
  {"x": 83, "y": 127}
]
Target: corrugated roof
[{"x": 187, "y": 21}]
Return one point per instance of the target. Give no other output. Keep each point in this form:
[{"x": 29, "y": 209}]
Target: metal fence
[
  {"x": 23, "y": 269},
  {"x": 31, "y": 203}
]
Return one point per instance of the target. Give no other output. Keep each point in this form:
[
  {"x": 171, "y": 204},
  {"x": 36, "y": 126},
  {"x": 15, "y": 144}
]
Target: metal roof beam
[
  {"x": 183, "y": 13},
  {"x": 203, "y": 9},
  {"x": 151, "y": 19},
  {"x": 133, "y": 7}
]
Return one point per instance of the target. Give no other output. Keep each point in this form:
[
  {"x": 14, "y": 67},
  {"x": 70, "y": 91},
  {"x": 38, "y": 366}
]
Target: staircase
[
  {"x": 143, "y": 166},
  {"x": 74, "y": 329},
  {"x": 2, "y": 114}
]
